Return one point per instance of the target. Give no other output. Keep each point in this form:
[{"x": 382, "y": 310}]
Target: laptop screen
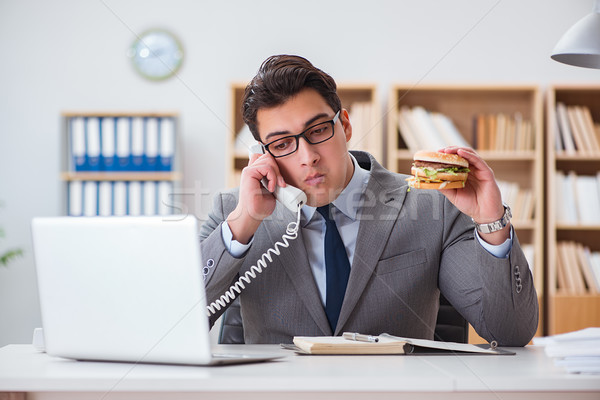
[{"x": 122, "y": 288}]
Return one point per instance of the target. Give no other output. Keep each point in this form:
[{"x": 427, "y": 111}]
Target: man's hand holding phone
[{"x": 255, "y": 202}]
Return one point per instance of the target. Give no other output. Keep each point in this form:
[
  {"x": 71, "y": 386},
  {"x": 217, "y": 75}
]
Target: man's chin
[{"x": 319, "y": 198}]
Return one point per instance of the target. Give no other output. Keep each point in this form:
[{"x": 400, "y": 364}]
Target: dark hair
[{"x": 278, "y": 79}]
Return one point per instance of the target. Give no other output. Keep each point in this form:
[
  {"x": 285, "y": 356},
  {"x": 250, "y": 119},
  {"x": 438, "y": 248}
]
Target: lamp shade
[{"x": 580, "y": 45}]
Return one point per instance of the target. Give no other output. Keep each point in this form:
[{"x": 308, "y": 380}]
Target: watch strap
[{"x": 496, "y": 225}]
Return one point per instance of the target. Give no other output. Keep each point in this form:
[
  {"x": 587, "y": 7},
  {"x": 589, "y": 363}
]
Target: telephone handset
[
  {"x": 289, "y": 196},
  {"x": 293, "y": 198}
]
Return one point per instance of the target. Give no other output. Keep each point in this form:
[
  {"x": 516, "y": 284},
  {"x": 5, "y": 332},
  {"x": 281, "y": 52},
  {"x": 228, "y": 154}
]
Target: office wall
[{"x": 71, "y": 55}]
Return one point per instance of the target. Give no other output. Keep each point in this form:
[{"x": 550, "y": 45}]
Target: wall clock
[{"x": 156, "y": 54}]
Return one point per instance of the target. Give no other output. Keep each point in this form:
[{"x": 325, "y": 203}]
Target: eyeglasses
[{"x": 316, "y": 134}]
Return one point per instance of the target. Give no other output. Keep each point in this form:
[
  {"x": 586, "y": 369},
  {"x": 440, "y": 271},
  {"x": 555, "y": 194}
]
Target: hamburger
[{"x": 434, "y": 170}]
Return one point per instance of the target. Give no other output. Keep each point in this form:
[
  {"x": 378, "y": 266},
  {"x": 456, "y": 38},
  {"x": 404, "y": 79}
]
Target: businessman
[{"x": 400, "y": 248}]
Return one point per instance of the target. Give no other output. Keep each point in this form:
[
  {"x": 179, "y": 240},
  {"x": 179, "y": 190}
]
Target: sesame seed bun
[{"x": 443, "y": 158}]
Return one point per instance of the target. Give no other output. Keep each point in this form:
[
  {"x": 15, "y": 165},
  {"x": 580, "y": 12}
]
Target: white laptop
[{"x": 124, "y": 289}]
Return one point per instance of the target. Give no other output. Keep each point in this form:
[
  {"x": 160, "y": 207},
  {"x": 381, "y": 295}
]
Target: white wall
[{"x": 71, "y": 55}]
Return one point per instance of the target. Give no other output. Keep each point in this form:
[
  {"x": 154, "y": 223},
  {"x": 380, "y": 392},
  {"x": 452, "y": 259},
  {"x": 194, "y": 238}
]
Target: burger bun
[
  {"x": 443, "y": 158},
  {"x": 413, "y": 183}
]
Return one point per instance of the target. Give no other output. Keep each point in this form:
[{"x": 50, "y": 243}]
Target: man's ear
[{"x": 345, "y": 120}]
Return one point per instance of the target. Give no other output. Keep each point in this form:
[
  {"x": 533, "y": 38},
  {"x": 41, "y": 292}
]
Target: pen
[{"x": 357, "y": 337}]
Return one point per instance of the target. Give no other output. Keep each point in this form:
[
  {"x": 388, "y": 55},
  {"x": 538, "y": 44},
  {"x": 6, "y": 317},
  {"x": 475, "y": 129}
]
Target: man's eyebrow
[{"x": 306, "y": 125}]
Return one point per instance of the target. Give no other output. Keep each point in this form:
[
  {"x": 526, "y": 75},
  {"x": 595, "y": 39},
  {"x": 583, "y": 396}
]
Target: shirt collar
[{"x": 350, "y": 199}]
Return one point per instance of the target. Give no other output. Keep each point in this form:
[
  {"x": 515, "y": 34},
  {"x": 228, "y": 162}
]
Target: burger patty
[{"x": 434, "y": 165}]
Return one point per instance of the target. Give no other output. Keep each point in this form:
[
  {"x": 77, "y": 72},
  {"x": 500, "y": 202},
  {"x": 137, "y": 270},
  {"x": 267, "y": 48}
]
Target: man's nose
[{"x": 307, "y": 152}]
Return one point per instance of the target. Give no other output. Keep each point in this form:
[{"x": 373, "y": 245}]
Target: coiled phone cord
[{"x": 291, "y": 233}]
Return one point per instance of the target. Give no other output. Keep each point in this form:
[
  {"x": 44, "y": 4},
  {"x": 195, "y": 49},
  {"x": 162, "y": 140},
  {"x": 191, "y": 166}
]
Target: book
[
  {"x": 448, "y": 130},
  {"x": 585, "y": 263},
  {"x": 574, "y": 269},
  {"x": 588, "y": 200},
  {"x": 562, "y": 285},
  {"x": 586, "y": 123},
  {"x": 427, "y": 133},
  {"x": 386, "y": 344},
  {"x": 568, "y": 268},
  {"x": 581, "y": 143},
  {"x": 595, "y": 261},
  {"x": 481, "y": 132},
  {"x": 406, "y": 130},
  {"x": 565, "y": 129}
]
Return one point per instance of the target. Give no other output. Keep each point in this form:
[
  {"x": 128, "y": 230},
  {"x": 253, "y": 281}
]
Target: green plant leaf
[{"x": 10, "y": 255}]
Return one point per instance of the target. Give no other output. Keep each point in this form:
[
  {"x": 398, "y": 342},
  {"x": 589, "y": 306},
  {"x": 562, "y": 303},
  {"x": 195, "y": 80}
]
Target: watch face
[{"x": 156, "y": 54}]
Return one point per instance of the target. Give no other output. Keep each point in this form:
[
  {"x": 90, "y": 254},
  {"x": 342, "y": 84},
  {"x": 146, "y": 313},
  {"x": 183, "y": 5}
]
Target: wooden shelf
[
  {"x": 521, "y": 224},
  {"x": 116, "y": 114},
  {"x": 579, "y": 157},
  {"x": 462, "y": 104},
  {"x": 566, "y": 313},
  {"x": 96, "y": 191},
  {"x": 577, "y": 227},
  {"x": 121, "y": 176},
  {"x": 571, "y": 313},
  {"x": 508, "y": 156}
]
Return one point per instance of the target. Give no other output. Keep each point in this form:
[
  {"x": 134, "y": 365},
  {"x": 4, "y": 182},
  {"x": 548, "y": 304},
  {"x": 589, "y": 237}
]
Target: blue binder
[
  {"x": 92, "y": 143},
  {"x": 167, "y": 143},
  {"x": 137, "y": 144},
  {"x": 151, "y": 144},
  {"x": 108, "y": 157},
  {"x": 123, "y": 143},
  {"x": 77, "y": 144}
]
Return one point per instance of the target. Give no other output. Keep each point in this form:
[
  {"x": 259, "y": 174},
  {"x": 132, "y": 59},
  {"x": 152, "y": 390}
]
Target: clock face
[{"x": 156, "y": 54}]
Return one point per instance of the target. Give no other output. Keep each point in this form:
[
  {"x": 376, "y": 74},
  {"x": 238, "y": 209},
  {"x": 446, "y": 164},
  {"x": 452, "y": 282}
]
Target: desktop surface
[{"x": 530, "y": 371}]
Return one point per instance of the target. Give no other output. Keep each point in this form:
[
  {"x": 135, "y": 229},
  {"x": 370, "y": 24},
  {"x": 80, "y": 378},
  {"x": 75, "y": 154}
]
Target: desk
[{"x": 529, "y": 374}]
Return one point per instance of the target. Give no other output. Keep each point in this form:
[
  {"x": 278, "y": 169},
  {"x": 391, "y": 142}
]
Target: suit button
[{"x": 206, "y": 269}]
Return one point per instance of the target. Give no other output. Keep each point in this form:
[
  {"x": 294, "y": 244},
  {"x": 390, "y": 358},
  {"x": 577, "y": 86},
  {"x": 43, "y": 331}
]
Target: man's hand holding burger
[{"x": 480, "y": 198}]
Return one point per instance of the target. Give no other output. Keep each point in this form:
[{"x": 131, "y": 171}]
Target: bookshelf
[
  {"x": 119, "y": 163},
  {"x": 504, "y": 124},
  {"x": 572, "y": 154},
  {"x": 360, "y": 99}
]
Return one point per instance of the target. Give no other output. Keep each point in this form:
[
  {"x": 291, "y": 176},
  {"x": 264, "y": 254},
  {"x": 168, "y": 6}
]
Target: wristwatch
[{"x": 496, "y": 225}]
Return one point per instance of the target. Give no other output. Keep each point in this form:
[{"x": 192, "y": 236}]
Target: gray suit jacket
[{"x": 411, "y": 245}]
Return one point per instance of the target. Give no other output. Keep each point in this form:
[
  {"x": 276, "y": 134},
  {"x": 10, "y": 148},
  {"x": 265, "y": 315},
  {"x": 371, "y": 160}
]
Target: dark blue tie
[{"x": 337, "y": 268}]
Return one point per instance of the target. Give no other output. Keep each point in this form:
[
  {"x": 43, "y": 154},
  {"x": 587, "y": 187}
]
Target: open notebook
[
  {"x": 388, "y": 344},
  {"x": 124, "y": 289}
]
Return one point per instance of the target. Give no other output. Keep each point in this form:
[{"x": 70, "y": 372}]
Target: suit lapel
[
  {"x": 374, "y": 231},
  {"x": 294, "y": 261}
]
